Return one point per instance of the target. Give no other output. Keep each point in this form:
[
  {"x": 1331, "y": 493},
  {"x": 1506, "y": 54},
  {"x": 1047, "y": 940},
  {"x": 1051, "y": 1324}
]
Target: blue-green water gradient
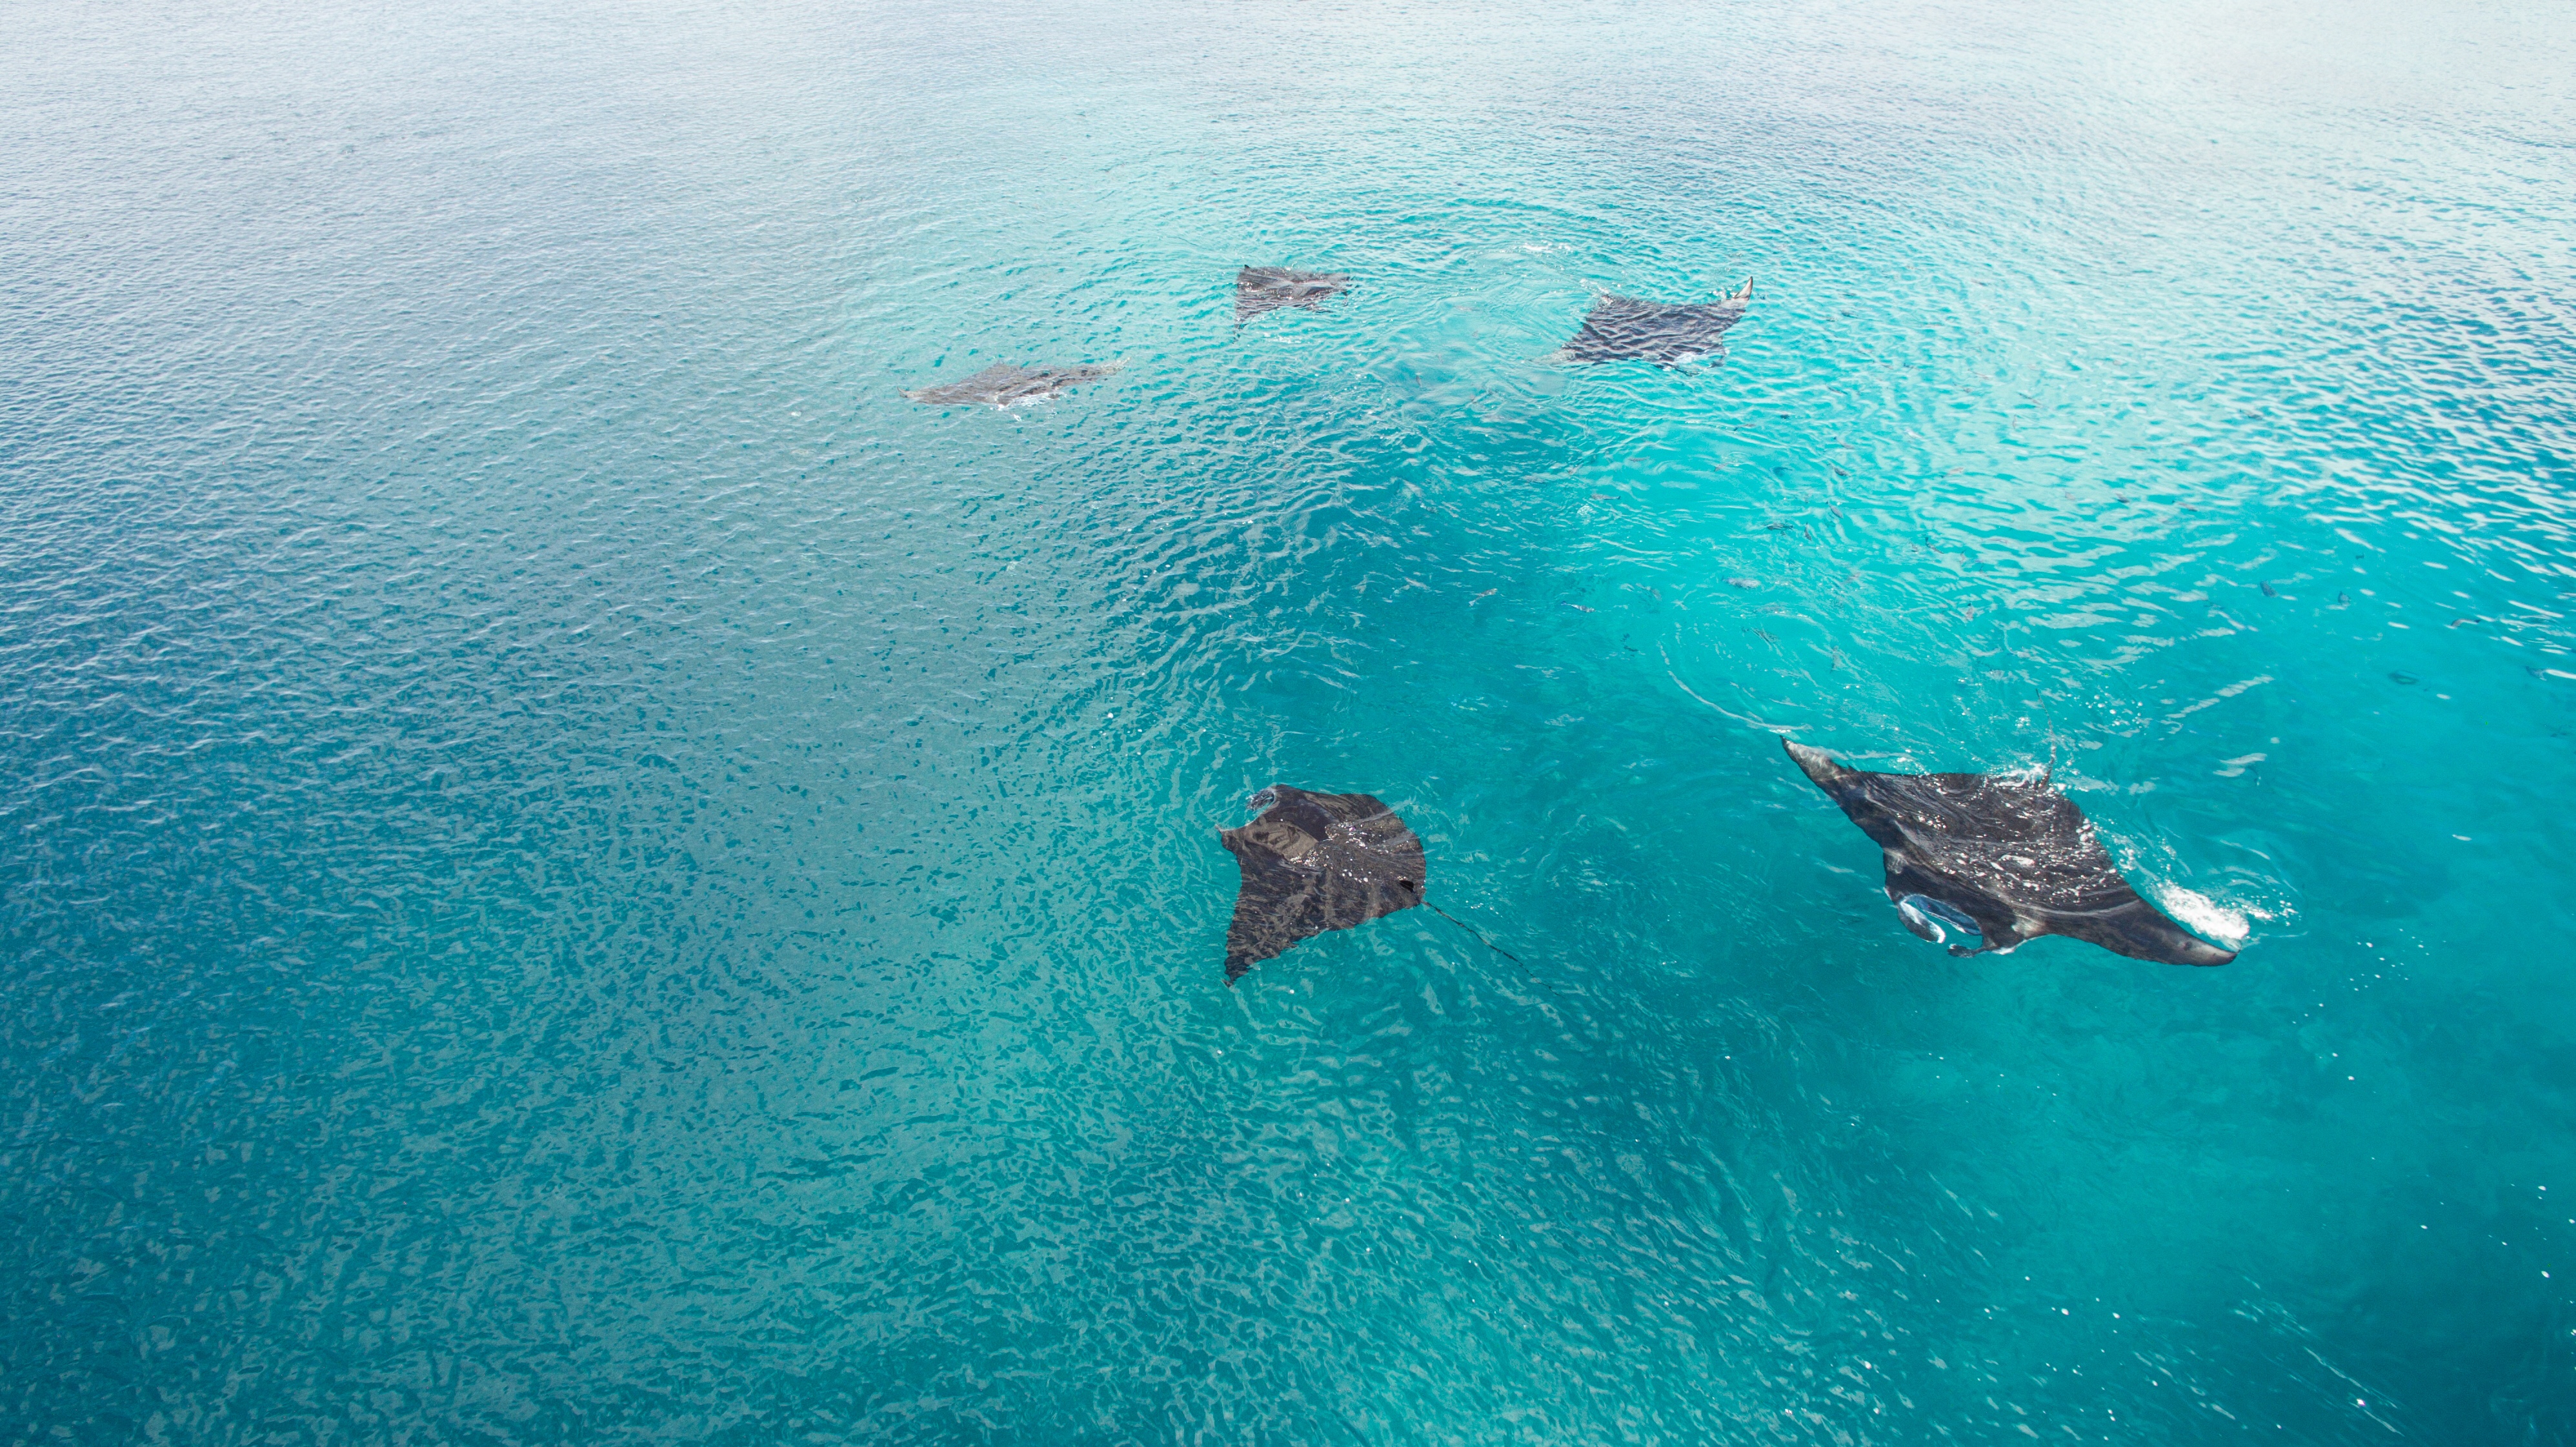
[{"x": 573, "y": 868}]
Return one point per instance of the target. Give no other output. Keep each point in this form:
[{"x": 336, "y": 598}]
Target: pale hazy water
[{"x": 578, "y": 870}]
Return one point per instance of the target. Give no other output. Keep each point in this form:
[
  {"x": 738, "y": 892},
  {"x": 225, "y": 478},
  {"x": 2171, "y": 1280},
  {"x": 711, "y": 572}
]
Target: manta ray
[
  {"x": 1258, "y": 289},
  {"x": 1003, "y": 385},
  {"x": 1624, "y": 329},
  {"x": 2001, "y": 858},
  {"x": 1315, "y": 862}
]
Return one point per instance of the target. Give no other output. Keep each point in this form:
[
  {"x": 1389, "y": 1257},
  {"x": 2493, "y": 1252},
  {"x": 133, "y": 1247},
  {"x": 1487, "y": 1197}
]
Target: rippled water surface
[{"x": 574, "y": 868}]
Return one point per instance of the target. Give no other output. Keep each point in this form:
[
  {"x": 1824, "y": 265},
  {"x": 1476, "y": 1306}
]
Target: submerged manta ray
[
  {"x": 1003, "y": 385},
  {"x": 1258, "y": 289},
  {"x": 2001, "y": 858},
  {"x": 1315, "y": 862},
  {"x": 1624, "y": 329}
]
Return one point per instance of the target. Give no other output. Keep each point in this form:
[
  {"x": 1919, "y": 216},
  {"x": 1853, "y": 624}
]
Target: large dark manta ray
[
  {"x": 1624, "y": 329},
  {"x": 1316, "y": 862},
  {"x": 1258, "y": 289},
  {"x": 2005, "y": 857},
  {"x": 1004, "y": 385}
]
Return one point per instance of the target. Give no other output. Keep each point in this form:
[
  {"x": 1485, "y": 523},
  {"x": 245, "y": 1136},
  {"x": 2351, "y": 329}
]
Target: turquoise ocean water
[{"x": 573, "y": 868}]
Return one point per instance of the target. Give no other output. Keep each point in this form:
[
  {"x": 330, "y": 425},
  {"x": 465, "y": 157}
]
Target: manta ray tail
[{"x": 1482, "y": 937}]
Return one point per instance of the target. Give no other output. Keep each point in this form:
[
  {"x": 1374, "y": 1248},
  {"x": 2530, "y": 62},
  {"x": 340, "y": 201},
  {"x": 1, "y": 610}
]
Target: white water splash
[{"x": 2207, "y": 917}]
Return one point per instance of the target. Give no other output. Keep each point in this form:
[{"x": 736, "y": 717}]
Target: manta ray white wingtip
[{"x": 1818, "y": 764}]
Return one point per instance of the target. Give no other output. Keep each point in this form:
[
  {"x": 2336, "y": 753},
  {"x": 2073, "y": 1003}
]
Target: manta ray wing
[
  {"x": 1316, "y": 862},
  {"x": 2011, "y": 854}
]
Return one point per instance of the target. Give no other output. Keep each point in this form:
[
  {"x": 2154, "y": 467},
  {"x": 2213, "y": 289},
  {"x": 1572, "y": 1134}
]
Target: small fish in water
[
  {"x": 1744, "y": 582},
  {"x": 1764, "y": 635},
  {"x": 1481, "y": 597},
  {"x": 1600, "y": 497},
  {"x": 2267, "y": 590},
  {"x": 2342, "y": 602},
  {"x": 2462, "y": 622},
  {"x": 1579, "y": 608},
  {"x": 2402, "y": 678}
]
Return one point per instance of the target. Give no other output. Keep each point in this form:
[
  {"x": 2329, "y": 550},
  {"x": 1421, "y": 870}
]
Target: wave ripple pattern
[{"x": 574, "y": 867}]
